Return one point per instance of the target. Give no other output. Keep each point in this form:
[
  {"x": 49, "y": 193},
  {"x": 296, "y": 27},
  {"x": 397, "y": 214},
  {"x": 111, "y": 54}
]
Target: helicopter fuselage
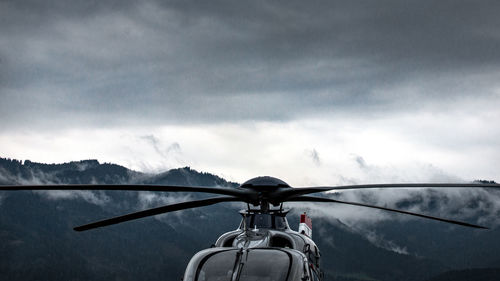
[{"x": 263, "y": 247}]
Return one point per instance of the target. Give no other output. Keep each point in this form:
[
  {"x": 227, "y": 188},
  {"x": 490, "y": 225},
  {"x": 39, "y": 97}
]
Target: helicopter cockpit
[{"x": 251, "y": 264}]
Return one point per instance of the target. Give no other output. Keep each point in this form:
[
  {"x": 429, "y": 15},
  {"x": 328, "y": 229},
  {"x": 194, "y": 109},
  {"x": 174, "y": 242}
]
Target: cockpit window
[
  {"x": 258, "y": 267},
  {"x": 266, "y": 221},
  {"x": 280, "y": 222},
  {"x": 254, "y": 266},
  {"x": 217, "y": 267},
  {"x": 262, "y": 221}
]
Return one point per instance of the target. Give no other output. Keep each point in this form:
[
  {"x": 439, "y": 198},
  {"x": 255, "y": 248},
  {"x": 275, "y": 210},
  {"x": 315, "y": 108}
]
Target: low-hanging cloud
[
  {"x": 40, "y": 178},
  {"x": 96, "y": 198},
  {"x": 477, "y": 205},
  {"x": 379, "y": 241},
  {"x": 148, "y": 200},
  {"x": 481, "y": 205},
  {"x": 169, "y": 155},
  {"x": 413, "y": 172}
]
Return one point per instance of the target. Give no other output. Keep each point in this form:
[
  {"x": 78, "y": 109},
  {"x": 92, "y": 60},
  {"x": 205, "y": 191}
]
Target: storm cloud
[
  {"x": 246, "y": 87},
  {"x": 189, "y": 61}
]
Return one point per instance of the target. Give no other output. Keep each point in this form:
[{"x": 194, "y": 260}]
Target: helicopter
[{"x": 264, "y": 246}]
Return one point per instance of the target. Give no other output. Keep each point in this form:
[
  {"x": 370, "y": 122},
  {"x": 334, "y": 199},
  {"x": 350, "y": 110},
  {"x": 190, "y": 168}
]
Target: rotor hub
[
  {"x": 264, "y": 183},
  {"x": 264, "y": 189}
]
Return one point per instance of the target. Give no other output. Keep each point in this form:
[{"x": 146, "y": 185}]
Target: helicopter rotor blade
[
  {"x": 328, "y": 200},
  {"x": 157, "y": 211},
  {"x": 284, "y": 194},
  {"x": 237, "y": 192}
]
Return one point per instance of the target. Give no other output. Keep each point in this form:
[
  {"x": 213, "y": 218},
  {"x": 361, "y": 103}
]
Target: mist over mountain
[{"x": 37, "y": 241}]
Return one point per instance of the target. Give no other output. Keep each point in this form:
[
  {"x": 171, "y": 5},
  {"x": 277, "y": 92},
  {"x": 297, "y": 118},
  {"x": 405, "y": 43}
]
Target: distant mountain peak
[
  {"x": 90, "y": 171},
  {"x": 73, "y": 165}
]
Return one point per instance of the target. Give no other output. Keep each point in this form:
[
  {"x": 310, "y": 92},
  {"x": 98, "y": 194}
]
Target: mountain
[
  {"x": 37, "y": 241},
  {"x": 476, "y": 274}
]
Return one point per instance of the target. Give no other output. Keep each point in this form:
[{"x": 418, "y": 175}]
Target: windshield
[
  {"x": 266, "y": 221},
  {"x": 254, "y": 265}
]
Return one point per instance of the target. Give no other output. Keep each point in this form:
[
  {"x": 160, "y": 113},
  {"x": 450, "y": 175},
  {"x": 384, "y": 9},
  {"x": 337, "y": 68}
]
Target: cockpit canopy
[{"x": 259, "y": 264}]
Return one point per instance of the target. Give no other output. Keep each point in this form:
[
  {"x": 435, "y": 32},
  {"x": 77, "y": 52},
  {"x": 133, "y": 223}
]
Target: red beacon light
[{"x": 305, "y": 226}]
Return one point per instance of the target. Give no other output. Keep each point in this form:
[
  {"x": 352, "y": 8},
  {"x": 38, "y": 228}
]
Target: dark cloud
[{"x": 206, "y": 61}]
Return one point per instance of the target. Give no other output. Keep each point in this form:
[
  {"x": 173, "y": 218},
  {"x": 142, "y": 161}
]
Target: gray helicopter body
[{"x": 264, "y": 247}]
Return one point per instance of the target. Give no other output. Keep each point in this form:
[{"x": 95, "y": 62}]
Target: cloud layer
[
  {"x": 177, "y": 61},
  {"x": 303, "y": 91}
]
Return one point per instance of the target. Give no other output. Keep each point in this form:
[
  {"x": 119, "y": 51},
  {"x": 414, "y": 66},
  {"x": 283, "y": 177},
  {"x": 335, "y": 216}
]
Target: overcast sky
[{"x": 313, "y": 92}]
